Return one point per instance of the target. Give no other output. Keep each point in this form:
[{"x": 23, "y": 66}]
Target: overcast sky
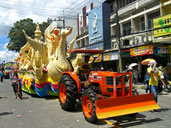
[{"x": 38, "y": 10}]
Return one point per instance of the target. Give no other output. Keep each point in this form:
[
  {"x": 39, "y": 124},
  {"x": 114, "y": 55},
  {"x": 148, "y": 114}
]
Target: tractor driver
[{"x": 85, "y": 68}]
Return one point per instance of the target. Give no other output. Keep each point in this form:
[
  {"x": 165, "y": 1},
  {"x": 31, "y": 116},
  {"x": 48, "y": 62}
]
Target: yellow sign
[
  {"x": 162, "y": 26},
  {"x": 106, "y": 56},
  {"x": 98, "y": 59},
  {"x": 142, "y": 50},
  {"x": 169, "y": 49}
]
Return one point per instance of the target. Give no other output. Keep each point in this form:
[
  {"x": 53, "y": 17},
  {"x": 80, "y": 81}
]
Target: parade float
[
  {"x": 40, "y": 64},
  {"x": 8, "y": 68}
]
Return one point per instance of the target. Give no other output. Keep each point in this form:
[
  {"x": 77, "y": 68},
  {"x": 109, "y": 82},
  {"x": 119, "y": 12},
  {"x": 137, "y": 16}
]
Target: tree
[{"x": 17, "y": 39}]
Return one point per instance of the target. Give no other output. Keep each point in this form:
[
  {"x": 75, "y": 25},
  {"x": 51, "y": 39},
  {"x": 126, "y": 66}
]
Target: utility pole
[
  {"x": 63, "y": 20},
  {"x": 118, "y": 35}
]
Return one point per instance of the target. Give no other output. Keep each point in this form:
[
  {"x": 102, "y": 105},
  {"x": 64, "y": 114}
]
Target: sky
[{"x": 38, "y": 10}]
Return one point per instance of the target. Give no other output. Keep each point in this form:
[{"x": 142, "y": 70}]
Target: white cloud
[
  {"x": 7, "y": 55},
  {"x": 38, "y": 10}
]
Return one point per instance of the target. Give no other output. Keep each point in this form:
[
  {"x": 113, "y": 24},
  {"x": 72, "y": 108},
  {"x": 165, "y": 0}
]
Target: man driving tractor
[{"x": 85, "y": 68}]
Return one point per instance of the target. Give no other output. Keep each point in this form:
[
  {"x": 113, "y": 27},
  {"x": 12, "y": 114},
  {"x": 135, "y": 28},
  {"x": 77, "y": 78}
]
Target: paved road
[{"x": 35, "y": 112}]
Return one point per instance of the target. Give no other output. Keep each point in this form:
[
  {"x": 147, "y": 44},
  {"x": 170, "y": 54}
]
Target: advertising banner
[
  {"x": 164, "y": 25},
  {"x": 169, "y": 49},
  {"x": 98, "y": 34},
  {"x": 106, "y": 56},
  {"x": 110, "y": 56},
  {"x": 162, "y": 50},
  {"x": 142, "y": 50},
  {"x": 114, "y": 56},
  {"x": 125, "y": 53},
  {"x": 98, "y": 59}
]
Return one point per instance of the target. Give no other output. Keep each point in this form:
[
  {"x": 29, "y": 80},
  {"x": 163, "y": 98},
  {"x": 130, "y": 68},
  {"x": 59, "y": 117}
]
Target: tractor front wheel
[
  {"x": 88, "y": 105},
  {"x": 67, "y": 93}
]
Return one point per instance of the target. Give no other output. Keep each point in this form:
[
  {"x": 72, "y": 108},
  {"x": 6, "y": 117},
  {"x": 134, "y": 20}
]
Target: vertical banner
[
  {"x": 84, "y": 16},
  {"x": 91, "y": 6},
  {"x": 78, "y": 24}
]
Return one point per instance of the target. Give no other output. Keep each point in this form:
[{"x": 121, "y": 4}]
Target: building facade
[{"x": 144, "y": 32}]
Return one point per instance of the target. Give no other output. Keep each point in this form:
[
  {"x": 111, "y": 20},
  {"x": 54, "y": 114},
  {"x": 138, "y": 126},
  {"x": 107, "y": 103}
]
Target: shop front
[
  {"x": 136, "y": 55},
  {"x": 110, "y": 60}
]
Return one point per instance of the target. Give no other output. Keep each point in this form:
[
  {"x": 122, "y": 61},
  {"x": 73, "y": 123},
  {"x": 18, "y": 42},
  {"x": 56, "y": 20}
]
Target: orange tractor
[{"x": 108, "y": 94}]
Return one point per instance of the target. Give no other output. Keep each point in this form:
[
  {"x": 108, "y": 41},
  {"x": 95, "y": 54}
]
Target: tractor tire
[
  {"x": 88, "y": 105},
  {"x": 67, "y": 93}
]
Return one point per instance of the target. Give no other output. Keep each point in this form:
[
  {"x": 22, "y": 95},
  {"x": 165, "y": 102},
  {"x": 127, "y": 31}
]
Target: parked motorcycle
[{"x": 167, "y": 88}]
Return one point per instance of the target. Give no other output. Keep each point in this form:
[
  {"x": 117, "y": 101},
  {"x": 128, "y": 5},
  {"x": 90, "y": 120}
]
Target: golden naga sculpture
[
  {"x": 77, "y": 62},
  {"x": 39, "y": 46},
  {"x": 71, "y": 45},
  {"x": 52, "y": 42},
  {"x": 60, "y": 63},
  {"x": 49, "y": 56}
]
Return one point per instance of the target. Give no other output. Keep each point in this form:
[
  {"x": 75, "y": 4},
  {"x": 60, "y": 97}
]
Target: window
[
  {"x": 127, "y": 29},
  {"x": 151, "y": 17},
  {"x": 123, "y": 3},
  {"x": 142, "y": 22}
]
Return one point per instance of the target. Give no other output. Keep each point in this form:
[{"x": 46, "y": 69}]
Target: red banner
[{"x": 142, "y": 50}]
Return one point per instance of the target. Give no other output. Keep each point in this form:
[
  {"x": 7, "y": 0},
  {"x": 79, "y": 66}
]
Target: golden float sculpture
[{"x": 42, "y": 63}]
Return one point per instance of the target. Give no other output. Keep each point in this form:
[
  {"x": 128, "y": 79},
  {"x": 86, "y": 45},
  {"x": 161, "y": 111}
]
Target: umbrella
[
  {"x": 132, "y": 65},
  {"x": 147, "y": 61}
]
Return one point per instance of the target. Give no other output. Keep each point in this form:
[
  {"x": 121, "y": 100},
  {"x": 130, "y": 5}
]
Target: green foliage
[{"x": 17, "y": 39}]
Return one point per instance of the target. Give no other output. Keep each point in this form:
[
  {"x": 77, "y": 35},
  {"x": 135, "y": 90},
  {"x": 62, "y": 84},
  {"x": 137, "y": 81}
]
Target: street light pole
[{"x": 118, "y": 35}]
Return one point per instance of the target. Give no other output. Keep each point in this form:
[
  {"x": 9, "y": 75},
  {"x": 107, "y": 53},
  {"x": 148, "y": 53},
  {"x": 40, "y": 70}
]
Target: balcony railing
[{"x": 133, "y": 6}]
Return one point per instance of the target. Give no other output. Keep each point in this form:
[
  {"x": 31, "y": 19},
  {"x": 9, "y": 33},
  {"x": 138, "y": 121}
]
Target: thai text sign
[
  {"x": 162, "y": 50},
  {"x": 143, "y": 50},
  {"x": 110, "y": 56},
  {"x": 98, "y": 58},
  {"x": 162, "y": 26}
]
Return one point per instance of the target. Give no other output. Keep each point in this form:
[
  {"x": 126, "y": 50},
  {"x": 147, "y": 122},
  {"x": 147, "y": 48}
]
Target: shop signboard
[
  {"x": 98, "y": 34},
  {"x": 142, "y": 50},
  {"x": 106, "y": 56},
  {"x": 125, "y": 53},
  {"x": 98, "y": 59},
  {"x": 162, "y": 26},
  {"x": 162, "y": 50},
  {"x": 110, "y": 56},
  {"x": 169, "y": 49}
]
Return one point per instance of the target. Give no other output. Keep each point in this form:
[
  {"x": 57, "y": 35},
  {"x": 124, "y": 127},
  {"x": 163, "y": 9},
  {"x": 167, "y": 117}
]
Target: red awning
[{"x": 95, "y": 51}]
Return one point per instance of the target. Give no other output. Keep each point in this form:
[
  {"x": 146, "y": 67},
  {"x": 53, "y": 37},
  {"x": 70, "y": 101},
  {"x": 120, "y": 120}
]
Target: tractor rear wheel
[
  {"x": 88, "y": 105},
  {"x": 67, "y": 93}
]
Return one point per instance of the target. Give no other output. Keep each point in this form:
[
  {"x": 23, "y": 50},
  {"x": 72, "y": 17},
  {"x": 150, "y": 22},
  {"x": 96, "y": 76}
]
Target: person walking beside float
[
  {"x": 154, "y": 77},
  {"x": 15, "y": 80}
]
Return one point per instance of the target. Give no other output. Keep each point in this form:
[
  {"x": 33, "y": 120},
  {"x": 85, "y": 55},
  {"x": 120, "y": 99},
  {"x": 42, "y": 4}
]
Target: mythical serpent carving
[
  {"x": 46, "y": 60},
  {"x": 60, "y": 63}
]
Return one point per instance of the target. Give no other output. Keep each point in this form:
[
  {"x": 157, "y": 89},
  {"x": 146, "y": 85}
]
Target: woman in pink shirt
[{"x": 15, "y": 80}]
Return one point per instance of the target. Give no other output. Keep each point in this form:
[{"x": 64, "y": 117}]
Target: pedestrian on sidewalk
[
  {"x": 2, "y": 75},
  {"x": 135, "y": 74},
  {"x": 15, "y": 80},
  {"x": 146, "y": 82},
  {"x": 154, "y": 77},
  {"x": 20, "y": 90}
]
